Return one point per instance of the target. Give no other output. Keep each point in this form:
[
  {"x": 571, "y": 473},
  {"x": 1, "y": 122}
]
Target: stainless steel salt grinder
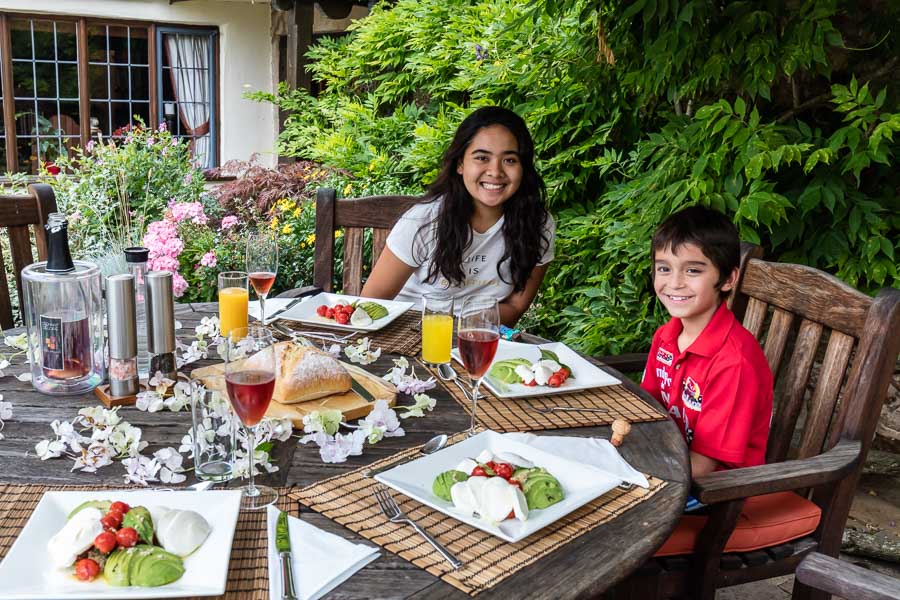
[
  {"x": 120, "y": 318},
  {"x": 161, "y": 323}
]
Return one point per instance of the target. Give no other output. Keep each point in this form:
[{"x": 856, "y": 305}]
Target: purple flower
[
  {"x": 209, "y": 259},
  {"x": 229, "y": 222}
]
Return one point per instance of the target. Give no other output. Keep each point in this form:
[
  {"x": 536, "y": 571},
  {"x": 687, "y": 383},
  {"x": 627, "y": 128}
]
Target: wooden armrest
[
  {"x": 734, "y": 484},
  {"x": 625, "y": 363},
  {"x": 845, "y": 579},
  {"x": 307, "y": 290}
]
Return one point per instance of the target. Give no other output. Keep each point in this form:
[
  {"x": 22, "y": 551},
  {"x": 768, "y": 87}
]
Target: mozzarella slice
[
  {"x": 520, "y": 505},
  {"x": 476, "y": 485},
  {"x": 497, "y": 501},
  {"x": 485, "y": 456},
  {"x": 360, "y": 318},
  {"x": 542, "y": 374},
  {"x": 76, "y": 536},
  {"x": 550, "y": 364},
  {"x": 463, "y": 499},
  {"x": 525, "y": 374},
  {"x": 182, "y": 531},
  {"x": 466, "y": 466}
]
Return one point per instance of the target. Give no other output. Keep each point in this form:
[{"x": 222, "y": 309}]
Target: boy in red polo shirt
[{"x": 704, "y": 367}]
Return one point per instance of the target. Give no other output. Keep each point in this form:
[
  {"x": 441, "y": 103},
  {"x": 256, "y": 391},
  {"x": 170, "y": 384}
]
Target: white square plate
[
  {"x": 585, "y": 375},
  {"x": 580, "y": 483},
  {"x": 26, "y": 574},
  {"x": 305, "y": 312}
]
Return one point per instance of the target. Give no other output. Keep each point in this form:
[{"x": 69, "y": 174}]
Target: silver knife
[
  {"x": 283, "y": 545},
  {"x": 290, "y": 305}
]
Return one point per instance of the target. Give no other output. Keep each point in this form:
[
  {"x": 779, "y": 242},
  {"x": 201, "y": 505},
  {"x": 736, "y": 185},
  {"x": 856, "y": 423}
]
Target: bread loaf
[{"x": 306, "y": 373}]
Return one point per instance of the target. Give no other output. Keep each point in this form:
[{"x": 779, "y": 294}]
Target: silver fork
[
  {"x": 549, "y": 409},
  {"x": 392, "y": 511},
  {"x": 320, "y": 335}
]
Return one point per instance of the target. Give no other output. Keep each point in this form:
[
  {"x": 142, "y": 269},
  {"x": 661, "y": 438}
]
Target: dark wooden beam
[
  {"x": 9, "y": 109},
  {"x": 84, "y": 99},
  {"x": 299, "y": 38}
]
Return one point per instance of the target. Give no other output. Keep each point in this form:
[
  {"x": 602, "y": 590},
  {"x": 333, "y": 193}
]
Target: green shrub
[{"x": 780, "y": 114}]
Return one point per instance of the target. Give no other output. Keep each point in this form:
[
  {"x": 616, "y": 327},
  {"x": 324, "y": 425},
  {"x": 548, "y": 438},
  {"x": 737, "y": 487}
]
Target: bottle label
[{"x": 51, "y": 343}]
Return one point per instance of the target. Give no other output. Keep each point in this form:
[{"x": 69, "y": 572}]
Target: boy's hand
[{"x": 701, "y": 465}]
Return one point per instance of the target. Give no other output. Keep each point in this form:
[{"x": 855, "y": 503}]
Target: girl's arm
[
  {"x": 388, "y": 277},
  {"x": 515, "y": 305}
]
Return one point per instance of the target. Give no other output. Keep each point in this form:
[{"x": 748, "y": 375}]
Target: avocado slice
[
  {"x": 139, "y": 518},
  {"x": 152, "y": 566},
  {"x": 116, "y": 569},
  {"x": 103, "y": 505}
]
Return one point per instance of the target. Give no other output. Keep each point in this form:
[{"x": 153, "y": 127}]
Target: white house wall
[{"x": 245, "y": 57}]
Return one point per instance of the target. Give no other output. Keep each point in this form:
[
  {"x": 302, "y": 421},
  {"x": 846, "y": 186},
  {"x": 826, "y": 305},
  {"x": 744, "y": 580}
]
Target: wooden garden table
[{"x": 589, "y": 564}]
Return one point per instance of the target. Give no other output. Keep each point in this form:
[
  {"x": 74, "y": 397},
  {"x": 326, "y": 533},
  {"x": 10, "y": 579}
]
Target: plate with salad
[
  {"x": 522, "y": 370},
  {"x": 123, "y": 544},
  {"x": 353, "y": 313},
  {"x": 504, "y": 487}
]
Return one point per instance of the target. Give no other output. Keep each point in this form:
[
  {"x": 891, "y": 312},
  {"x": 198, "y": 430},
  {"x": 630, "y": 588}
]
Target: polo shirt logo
[
  {"x": 665, "y": 357},
  {"x": 690, "y": 395}
]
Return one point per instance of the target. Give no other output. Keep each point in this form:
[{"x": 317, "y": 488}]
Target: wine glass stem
[
  {"x": 262, "y": 308},
  {"x": 251, "y": 443},
  {"x": 474, "y": 406}
]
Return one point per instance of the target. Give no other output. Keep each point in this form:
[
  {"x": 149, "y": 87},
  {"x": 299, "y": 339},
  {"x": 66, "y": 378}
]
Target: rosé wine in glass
[{"x": 477, "y": 338}]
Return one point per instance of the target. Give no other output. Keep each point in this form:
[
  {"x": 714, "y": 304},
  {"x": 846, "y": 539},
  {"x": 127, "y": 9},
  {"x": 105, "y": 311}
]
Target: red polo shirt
[{"x": 719, "y": 390}]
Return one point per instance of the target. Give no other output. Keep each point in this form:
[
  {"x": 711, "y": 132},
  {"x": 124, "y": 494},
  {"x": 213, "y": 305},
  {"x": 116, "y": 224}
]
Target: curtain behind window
[{"x": 188, "y": 56}]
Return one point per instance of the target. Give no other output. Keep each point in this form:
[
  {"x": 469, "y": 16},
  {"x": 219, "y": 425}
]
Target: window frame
[{"x": 154, "y": 37}]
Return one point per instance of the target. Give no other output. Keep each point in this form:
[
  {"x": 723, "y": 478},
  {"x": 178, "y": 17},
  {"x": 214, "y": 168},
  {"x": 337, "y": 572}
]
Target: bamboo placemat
[
  {"x": 519, "y": 414},
  {"x": 248, "y": 570},
  {"x": 487, "y": 560},
  {"x": 402, "y": 336}
]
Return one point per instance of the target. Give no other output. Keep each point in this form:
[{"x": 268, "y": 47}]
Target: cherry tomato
[
  {"x": 86, "y": 569},
  {"x": 105, "y": 542},
  {"x": 322, "y": 310},
  {"x": 532, "y": 383},
  {"x": 342, "y": 318},
  {"x": 555, "y": 380},
  {"x": 119, "y": 506},
  {"x": 111, "y": 520},
  {"x": 127, "y": 537},
  {"x": 515, "y": 482},
  {"x": 504, "y": 470},
  {"x": 564, "y": 372},
  {"x": 329, "y": 313},
  {"x": 478, "y": 472},
  {"x": 511, "y": 515}
]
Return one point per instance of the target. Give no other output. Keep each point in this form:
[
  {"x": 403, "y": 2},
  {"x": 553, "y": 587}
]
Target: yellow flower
[
  {"x": 347, "y": 189},
  {"x": 302, "y": 245},
  {"x": 311, "y": 239},
  {"x": 298, "y": 211},
  {"x": 285, "y": 204},
  {"x": 274, "y": 224},
  {"x": 338, "y": 234},
  {"x": 288, "y": 228}
]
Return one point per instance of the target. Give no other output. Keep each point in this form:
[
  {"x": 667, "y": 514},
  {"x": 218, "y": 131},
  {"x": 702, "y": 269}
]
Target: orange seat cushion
[{"x": 765, "y": 521}]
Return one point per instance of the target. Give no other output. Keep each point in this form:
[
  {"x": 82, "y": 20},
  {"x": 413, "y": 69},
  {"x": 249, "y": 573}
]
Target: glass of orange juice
[
  {"x": 437, "y": 328},
  {"x": 233, "y": 299}
]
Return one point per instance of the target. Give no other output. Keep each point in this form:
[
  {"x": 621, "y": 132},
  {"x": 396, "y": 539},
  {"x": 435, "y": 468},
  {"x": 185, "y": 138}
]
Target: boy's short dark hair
[{"x": 706, "y": 228}]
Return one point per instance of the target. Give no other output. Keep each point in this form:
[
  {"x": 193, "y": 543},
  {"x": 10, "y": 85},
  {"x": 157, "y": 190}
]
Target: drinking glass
[
  {"x": 478, "y": 333},
  {"x": 250, "y": 368},
  {"x": 233, "y": 300},
  {"x": 214, "y": 429},
  {"x": 437, "y": 328},
  {"x": 262, "y": 266}
]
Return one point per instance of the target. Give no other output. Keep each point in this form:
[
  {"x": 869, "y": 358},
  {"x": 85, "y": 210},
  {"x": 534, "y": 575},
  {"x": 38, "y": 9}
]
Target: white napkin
[
  {"x": 272, "y": 305},
  {"x": 322, "y": 561},
  {"x": 596, "y": 452}
]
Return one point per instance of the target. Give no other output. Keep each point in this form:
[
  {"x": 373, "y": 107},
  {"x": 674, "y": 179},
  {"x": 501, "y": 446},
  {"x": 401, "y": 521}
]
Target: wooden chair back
[
  {"x": 354, "y": 216},
  {"x": 17, "y": 213}
]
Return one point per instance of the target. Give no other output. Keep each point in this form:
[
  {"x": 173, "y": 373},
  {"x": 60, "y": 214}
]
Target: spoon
[
  {"x": 448, "y": 373},
  {"x": 430, "y": 447}
]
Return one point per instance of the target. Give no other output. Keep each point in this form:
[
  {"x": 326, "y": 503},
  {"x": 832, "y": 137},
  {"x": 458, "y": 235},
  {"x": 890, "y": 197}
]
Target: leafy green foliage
[{"x": 782, "y": 115}]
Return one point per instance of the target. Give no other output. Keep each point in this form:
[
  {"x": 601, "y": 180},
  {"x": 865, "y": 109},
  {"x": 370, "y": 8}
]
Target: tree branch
[{"x": 823, "y": 98}]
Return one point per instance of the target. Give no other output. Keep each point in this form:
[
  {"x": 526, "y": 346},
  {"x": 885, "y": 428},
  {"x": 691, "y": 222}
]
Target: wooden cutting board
[{"x": 351, "y": 404}]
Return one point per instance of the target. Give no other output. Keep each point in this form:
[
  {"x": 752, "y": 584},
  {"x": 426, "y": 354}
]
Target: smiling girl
[{"x": 483, "y": 228}]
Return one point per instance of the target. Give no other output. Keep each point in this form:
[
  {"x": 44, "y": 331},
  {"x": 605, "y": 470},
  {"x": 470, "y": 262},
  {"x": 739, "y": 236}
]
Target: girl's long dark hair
[{"x": 525, "y": 212}]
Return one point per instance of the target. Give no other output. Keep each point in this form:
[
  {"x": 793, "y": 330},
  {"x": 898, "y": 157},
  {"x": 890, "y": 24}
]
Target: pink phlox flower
[
  {"x": 209, "y": 259},
  {"x": 150, "y": 142},
  {"x": 163, "y": 126},
  {"x": 189, "y": 210},
  {"x": 189, "y": 177},
  {"x": 89, "y": 147},
  {"x": 229, "y": 222},
  {"x": 163, "y": 263},
  {"x": 179, "y": 285}
]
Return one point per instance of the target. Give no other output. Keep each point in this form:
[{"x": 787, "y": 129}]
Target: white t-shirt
[{"x": 480, "y": 259}]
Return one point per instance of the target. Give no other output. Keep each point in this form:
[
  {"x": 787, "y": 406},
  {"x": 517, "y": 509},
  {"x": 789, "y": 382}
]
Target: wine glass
[
  {"x": 477, "y": 338},
  {"x": 262, "y": 266},
  {"x": 250, "y": 369}
]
